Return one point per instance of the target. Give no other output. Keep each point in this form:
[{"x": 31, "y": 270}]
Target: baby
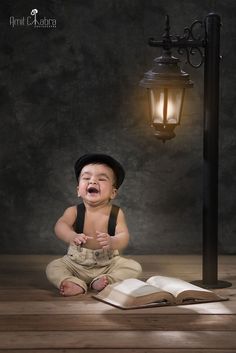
[{"x": 95, "y": 230}]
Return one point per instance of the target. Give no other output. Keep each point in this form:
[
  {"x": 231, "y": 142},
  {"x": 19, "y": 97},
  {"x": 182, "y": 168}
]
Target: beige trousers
[{"x": 83, "y": 266}]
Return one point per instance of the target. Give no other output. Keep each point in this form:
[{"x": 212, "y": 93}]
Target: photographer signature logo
[{"x": 33, "y": 21}]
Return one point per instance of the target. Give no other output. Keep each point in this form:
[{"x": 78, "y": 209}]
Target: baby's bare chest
[{"x": 93, "y": 223}]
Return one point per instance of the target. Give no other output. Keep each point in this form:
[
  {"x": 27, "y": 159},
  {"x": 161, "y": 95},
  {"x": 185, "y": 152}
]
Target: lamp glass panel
[{"x": 166, "y": 105}]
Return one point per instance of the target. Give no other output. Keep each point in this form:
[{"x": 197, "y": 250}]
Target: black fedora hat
[{"x": 96, "y": 158}]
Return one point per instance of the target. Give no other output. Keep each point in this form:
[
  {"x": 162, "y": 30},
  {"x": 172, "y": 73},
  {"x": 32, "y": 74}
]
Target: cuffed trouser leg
[
  {"x": 58, "y": 271},
  {"x": 121, "y": 268}
]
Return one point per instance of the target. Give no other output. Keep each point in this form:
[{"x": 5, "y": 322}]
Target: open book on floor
[{"x": 156, "y": 291}]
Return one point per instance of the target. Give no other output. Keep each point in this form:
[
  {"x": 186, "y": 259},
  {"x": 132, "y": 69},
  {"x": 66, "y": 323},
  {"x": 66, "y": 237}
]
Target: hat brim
[{"x": 102, "y": 159}]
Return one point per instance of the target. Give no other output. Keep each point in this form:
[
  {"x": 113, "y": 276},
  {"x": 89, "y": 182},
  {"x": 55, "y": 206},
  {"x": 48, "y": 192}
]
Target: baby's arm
[
  {"x": 121, "y": 238},
  {"x": 64, "y": 228}
]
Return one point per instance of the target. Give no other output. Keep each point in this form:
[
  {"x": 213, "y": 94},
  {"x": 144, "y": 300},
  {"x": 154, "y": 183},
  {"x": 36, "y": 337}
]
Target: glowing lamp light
[{"x": 165, "y": 84}]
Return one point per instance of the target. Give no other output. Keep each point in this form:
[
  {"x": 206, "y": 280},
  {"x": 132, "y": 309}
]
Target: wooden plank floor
[{"x": 34, "y": 318}]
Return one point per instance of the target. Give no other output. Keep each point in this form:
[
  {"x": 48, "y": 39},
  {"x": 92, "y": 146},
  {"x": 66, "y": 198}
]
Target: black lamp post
[{"x": 166, "y": 84}]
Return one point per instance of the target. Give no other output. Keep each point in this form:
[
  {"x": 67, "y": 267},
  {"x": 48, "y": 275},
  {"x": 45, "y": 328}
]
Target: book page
[
  {"x": 175, "y": 285},
  {"x": 135, "y": 287}
]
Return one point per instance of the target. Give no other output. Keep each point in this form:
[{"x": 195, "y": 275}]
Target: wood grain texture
[
  {"x": 118, "y": 339},
  {"x": 114, "y": 350},
  {"x": 35, "y": 318},
  {"x": 114, "y": 322}
]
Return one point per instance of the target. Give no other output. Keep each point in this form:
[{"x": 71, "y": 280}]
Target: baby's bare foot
[
  {"x": 100, "y": 283},
  {"x": 69, "y": 288}
]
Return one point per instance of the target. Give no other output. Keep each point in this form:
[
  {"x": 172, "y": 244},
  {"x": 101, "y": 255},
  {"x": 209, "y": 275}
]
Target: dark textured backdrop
[{"x": 74, "y": 89}]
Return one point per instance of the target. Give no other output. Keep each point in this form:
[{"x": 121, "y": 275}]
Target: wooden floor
[{"x": 35, "y": 319}]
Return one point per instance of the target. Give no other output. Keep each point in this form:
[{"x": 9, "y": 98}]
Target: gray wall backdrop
[{"x": 73, "y": 89}]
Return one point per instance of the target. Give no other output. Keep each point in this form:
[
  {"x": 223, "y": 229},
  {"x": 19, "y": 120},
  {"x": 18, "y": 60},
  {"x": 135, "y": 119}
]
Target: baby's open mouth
[{"x": 92, "y": 190}]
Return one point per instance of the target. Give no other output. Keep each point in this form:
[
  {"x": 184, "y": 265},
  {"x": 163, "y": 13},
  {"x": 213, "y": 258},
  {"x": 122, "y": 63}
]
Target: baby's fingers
[
  {"x": 81, "y": 239},
  {"x": 101, "y": 235},
  {"x": 78, "y": 241},
  {"x": 85, "y": 238}
]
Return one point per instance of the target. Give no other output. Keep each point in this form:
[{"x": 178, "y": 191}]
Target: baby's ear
[
  {"x": 77, "y": 190},
  {"x": 114, "y": 193}
]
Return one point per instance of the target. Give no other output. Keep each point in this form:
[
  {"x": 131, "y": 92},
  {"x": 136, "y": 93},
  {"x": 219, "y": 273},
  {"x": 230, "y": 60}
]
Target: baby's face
[{"x": 97, "y": 184}]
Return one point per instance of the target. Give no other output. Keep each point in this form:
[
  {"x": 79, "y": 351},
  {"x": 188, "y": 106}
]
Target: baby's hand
[
  {"x": 80, "y": 239},
  {"x": 104, "y": 240}
]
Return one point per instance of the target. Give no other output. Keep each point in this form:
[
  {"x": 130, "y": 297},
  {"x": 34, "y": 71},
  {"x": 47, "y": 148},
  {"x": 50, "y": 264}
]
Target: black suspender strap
[
  {"x": 79, "y": 223},
  {"x": 112, "y": 220}
]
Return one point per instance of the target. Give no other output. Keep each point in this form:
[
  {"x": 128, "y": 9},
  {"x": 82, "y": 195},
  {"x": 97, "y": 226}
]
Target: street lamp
[{"x": 166, "y": 84}]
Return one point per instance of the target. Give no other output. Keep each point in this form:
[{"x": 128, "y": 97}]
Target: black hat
[{"x": 103, "y": 159}]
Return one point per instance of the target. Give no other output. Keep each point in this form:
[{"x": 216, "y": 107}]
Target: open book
[{"x": 156, "y": 291}]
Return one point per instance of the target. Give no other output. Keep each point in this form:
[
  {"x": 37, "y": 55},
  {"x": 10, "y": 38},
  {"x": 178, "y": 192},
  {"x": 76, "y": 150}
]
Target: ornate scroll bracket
[{"x": 190, "y": 43}]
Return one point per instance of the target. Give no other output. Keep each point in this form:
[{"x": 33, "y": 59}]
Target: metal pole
[
  {"x": 210, "y": 150},
  {"x": 210, "y": 153}
]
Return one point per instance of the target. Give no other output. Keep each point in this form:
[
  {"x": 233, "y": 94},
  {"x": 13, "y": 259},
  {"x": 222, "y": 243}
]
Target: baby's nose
[{"x": 92, "y": 181}]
